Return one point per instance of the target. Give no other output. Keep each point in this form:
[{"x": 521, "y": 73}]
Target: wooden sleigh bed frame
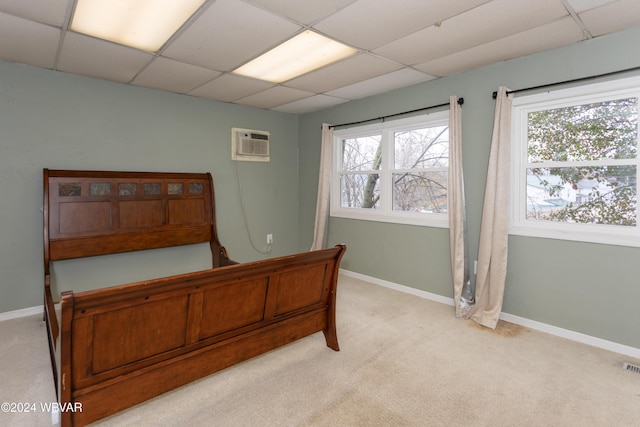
[{"x": 115, "y": 347}]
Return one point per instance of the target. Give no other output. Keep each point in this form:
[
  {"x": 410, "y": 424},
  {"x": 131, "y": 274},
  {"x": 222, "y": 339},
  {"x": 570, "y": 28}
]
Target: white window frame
[
  {"x": 521, "y": 106},
  {"x": 385, "y": 213}
]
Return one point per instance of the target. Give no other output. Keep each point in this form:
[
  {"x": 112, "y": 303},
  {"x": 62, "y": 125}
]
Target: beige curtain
[
  {"x": 462, "y": 290},
  {"x": 493, "y": 248},
  {"x": 324, "y": 185}
]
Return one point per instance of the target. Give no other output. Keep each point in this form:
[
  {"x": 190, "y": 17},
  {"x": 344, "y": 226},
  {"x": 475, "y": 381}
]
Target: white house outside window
[
  {"x": 394, "y": 171},
  {"x": 575, "y": 164}
]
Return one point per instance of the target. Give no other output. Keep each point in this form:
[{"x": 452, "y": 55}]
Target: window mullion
[
  {"x": 579, "y": 164},
  {"x": 520, "y": 157},
  {"x": 386, "y": 187}
]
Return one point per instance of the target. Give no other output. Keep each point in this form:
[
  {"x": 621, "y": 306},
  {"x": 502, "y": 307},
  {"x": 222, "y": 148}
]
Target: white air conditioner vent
[{"x": 249, "y": 145}]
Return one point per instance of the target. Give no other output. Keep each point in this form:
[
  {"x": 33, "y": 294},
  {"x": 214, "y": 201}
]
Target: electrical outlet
[{"x": 269, "y": 243}]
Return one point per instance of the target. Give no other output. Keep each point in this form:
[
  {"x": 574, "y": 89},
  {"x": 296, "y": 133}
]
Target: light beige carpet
[
  {"x": 25, "y": 372},
  {"x": 404, "y": 361}
]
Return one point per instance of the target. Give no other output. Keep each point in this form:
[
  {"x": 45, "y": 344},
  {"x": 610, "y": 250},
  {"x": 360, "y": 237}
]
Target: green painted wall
[
  {"x": 56, "y": 120},
  {"x": 588, "y": 288},
  {"x": 60, "y": 121}
]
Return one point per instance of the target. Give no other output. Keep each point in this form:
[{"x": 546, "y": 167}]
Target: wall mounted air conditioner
[{"x": 249, "y": 145}]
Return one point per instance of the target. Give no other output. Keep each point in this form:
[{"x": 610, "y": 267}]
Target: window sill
[
  {"x": 431, "y": 220},
  {"x": 608, "y": 235}
]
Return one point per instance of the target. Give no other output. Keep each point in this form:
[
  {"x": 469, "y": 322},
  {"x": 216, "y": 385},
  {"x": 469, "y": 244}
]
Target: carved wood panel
[
  {"x": 230, "y": 307},
  {"x": 299, "y": 288},
  {"x": 133, "y": 333}
]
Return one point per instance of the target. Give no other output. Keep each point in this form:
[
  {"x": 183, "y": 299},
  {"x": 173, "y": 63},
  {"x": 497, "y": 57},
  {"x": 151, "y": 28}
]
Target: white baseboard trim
[
  {"x": 573, "y": 335},
  {"x": 397, "y": 287},
  {"x": 7, "y": 315},
  {"x": 532, "y": 324}
]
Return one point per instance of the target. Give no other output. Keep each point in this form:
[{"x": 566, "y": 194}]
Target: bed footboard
[{"x": 126, "y": 344}]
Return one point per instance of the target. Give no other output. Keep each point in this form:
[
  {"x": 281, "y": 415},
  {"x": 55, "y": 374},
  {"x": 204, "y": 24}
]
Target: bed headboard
[{"x": 88, "y": 213}]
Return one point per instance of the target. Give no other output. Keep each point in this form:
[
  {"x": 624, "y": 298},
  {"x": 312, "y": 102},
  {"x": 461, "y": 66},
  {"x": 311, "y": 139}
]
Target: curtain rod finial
[
  {"x": 460, "y": 101},
  {"x": 495, "y": 95}
]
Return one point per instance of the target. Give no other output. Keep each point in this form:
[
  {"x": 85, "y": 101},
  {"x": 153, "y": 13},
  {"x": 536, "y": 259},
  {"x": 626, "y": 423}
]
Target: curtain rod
[
  {"x": 495, "y": 94},
  {"x": 383, "y": 118}
]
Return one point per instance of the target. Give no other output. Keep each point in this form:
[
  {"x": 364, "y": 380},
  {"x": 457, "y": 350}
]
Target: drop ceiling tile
[
  {"x": 369, "y": 24},
  {"x": 550, "y": 36},
  {"x": 228, "y": 34},
  {"x": 274, "y": 97},
  {"x": 612, "y": 17},
  {"x": 437, "y": 37},
  {"x": 52, "y": 12},
  {"x": 394, "y": 80},
  {"x": 343, "y": 73},
  {"x": 313, "y": 103},
  {"x": 28, "y": 42},
  {"x": 167, "y": 74},
  {"x": 582, "y": 5},
  {"x": 305, "y": 12},
  {"x": 491, "y": 21},
  {"x": 229, "y": 87},
  {"x": 101, "y": 59}
]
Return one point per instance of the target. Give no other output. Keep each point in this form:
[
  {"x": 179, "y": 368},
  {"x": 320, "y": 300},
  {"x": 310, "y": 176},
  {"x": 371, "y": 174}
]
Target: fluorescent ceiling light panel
[
  {"x": 143, "y": 24},
  {"x": 303, "y": 53}
]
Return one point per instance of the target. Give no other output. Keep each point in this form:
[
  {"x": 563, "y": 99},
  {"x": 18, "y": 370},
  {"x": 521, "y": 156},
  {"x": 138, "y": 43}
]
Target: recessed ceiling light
[
  {"x": 303, "y": 53},
  {"x": 143, "y": 24}
]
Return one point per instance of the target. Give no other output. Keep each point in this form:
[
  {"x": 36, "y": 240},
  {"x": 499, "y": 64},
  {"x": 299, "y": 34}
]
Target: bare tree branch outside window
[
  {"x": 394, "y": 171},
  {"x": 415, "y": 187},
  {"x": 362, "y": 155}
]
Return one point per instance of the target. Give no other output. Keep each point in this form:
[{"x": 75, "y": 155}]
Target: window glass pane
[
  {"x": 360, "y": 191},
  {"x": 196, "y": 188},
  {"x": 602, "y": 130},
  {"x": 175, "y": 188},
  {"x": 68, "y": 189},
  {"x": 152, "y": 188},
  {"x": 422, "y": 148},
  {"x": 424, "y": 192},
  {"x": 127, "y": 189},
  {"x": 362, "y": 154},
  {"x": 587, "y": 195},
  {"x": 100, "y": 189}
]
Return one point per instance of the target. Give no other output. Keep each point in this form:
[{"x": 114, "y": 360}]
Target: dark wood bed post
[
  {"x": 330, "y": 334},
  {"x": 65, "y": 386},
  {"x": 45, "y": 216},
  {"x": 219, "y": 257},
  {"x": 48, "y": 311}
]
